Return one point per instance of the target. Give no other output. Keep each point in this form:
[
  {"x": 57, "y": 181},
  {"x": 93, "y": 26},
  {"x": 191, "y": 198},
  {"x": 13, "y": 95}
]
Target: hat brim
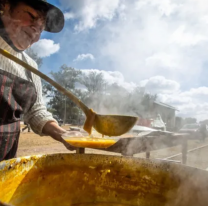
[{"x": 54, "y": 18}]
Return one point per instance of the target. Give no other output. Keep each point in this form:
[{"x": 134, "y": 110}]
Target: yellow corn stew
[{"x": 91, "y": 142}]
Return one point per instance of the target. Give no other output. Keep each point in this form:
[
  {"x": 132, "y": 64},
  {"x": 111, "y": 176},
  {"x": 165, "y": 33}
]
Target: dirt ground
[{"x": 32, "y": 144}]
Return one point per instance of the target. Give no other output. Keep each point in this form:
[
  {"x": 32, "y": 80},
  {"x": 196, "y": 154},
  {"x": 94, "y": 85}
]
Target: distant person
[{"x": 26, "y": 127}]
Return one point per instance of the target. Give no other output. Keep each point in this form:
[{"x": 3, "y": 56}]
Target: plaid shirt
[{"x": 38, "y": 115}]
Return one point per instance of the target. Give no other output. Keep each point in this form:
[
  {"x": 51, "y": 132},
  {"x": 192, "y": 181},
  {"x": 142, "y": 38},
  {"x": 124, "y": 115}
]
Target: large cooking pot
[{"x": 72, "y": 179}]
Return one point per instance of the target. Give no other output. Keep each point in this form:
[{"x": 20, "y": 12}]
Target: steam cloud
[{"x": 146, "y": 39}]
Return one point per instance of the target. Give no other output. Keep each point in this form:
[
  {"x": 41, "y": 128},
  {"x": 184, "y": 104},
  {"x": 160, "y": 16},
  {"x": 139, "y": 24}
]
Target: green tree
[
  {"x": 135, "y": 106},
  {"x": 93, "y": 81},
  {"x": 148, "y": 101},
  {"x": 116, "y": 99},
  {"x": 61, "y": 106},
  {"x": 39, "y": 62},
  {"x": 95, "y": 85},
  {"x": 35, "y": 56}
]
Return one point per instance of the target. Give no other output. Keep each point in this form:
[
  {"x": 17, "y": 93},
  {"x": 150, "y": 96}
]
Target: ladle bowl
[{"x": 113, "y": 125}]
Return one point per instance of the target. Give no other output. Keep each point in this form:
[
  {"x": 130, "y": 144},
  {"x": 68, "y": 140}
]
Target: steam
[
  {"x": 114, "y": 95},
  {"x": 190, "y": 103},
  {"x": 143, "y": 40}
]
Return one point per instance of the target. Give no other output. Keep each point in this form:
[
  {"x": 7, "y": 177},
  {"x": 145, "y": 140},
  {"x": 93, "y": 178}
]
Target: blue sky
[{"x": 161, "y": 45}]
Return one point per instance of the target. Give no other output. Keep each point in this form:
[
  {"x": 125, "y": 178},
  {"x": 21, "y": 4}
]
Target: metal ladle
[{"x": 109, "y": 125}]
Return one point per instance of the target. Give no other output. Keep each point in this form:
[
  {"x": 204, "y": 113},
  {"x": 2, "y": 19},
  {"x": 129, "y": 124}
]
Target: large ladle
[{"x": 109, "y": 125}]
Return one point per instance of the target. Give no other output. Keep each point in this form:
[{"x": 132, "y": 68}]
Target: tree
[
  {"x": 35, "y": 56},
  {"x": 96, "y": 85},
  {"x": 93, "y": 81},
  {"x": 63, "y": 107},
  {"x": 39, "y": 62},
  {"x": 116, "y": 99},
  {"x": 135, "y": 99},
  {"x": 113, "y": 98},
  {"x": 147, "y": 101}
]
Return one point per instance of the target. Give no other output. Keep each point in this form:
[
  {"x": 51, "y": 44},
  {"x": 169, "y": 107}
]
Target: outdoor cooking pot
[{"x": 86, "y": 180}]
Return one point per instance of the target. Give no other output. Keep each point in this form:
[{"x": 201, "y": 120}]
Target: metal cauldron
[{"x": 72, "y": 179}]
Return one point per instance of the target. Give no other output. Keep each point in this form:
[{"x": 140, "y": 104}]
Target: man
[{"x": 21, "y": 24}]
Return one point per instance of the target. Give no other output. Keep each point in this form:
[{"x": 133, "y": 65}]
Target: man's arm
[{"x": 55, "y": 131}]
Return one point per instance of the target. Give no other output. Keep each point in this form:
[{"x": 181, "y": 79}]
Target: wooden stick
[{"x": 46, "y": 78}]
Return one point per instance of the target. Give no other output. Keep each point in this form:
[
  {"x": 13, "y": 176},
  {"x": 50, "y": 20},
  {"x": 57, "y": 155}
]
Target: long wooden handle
[{"x": 77, "y": 101}]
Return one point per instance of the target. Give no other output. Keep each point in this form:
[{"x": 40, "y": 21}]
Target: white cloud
[
  {"x": 165, "y": 7},
  {"x": 82, "y": 57},
  {"x": 191, "y": 103},
  {"x": 183, "y": 38},
  {"x": 68, "y": 15},
  {"x": 200, "y": 93},
  {"x": 159, "y": 37},
  {"x": 167, "y": 37},
  {"x": 159, "y": 84},
  {"x": 90, "y": 11},
  {"x": 161, "y": 60},
  {"x": 45, "y": 47},
  {"x": 114, "y": 77}
]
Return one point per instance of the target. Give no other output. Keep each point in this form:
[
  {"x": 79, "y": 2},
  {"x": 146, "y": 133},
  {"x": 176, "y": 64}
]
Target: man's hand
[
  {"x": 70, "y": 134},
  {"x": 68, "y": 146},
  {"x": 56, "y": 132}
]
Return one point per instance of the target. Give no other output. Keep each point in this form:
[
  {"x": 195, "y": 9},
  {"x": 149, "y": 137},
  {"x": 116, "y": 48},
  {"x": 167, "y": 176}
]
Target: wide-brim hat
[{"x": 54, "y": 16}]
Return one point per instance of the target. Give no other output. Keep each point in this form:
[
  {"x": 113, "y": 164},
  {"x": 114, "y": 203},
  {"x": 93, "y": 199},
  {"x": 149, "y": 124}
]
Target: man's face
[{"x": 23, "y": 25}]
